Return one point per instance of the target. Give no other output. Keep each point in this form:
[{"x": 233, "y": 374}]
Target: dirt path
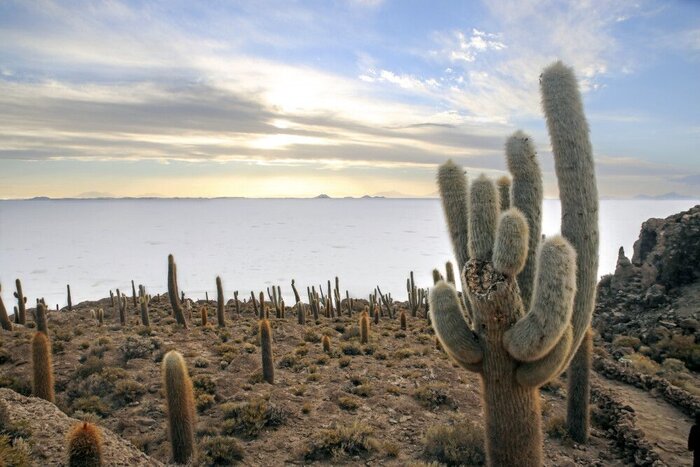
[{"x": 665, "y": 427}]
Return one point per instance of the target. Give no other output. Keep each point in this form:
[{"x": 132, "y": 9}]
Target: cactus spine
[
  {"x": 266, "y": 351},
  {"x": 326, "y": 342},
  {"x": 4, "y": 318},
  {"x": 21, "y": 303},
  {"x": 173, "y": 293},
  {"x": 84, "y": 446},
  {"x": 42, "y": 369},
  {"x": 515, "y": 352},
  {"x": 573, "y": 164},
  {"x": 70, "y": 300},
  {"x": 220, "y": 314},
  {"x": 179, "y": 398},
  {"x": 364, "y": 327}
]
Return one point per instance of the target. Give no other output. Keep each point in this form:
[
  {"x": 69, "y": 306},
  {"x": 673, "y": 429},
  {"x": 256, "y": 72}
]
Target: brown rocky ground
[{"x": 389, "y": 394}]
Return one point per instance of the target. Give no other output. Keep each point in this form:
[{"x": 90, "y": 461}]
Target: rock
[
  {"x": 690, "y": 324},
  {"x": 49, "y": 427}
]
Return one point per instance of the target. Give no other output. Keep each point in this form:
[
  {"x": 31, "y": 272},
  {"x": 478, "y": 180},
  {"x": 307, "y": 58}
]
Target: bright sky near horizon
[{"x": 295, "y": 98}]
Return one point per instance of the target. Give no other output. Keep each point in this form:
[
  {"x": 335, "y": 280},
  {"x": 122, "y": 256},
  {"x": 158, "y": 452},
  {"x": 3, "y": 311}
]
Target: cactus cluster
[
  {"x": 523, "y": 325},
  {"x": 416, "y": 296}
]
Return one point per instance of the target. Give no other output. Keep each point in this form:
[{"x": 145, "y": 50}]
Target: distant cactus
[
  {"x": 301, "y": 313},
  {"x": 4, "y": 318},
  {"x": 21, "y": 303},
  {"x": 70, "y": 300},
  {"x": 121, "y": 300},
  {"x": 111, "y": 298},
  {"x": 203, "y": 312},
  {"x": 236, "y": 303},
  {"x": 503, "y": 185},
  {"x": 297, "y": 298},
  {"x": 414, "y": 295},
  {"x": 573, "y": 164},
  {"x": 516, "y": 351},
  {"x": 266, "y": 351},
  {"x": 402, "y": 319},
  {"x": 220, "y": 313},
  {"x": 364, "y": 327},
  {"x": 377, "y": 312},
  {"x": 143, "y": 301},
  {"x": 42, "y": 368},
  {"x": 179, "y": 398},
  {"x": 40, "y": 315},
  {"x": 84, "y": 446},
  {"x": 326, "y": 342},
  {"x": 263, "y": 311},
  {"x": 173, "y": 293},
  {"x": 276, "y": 299},
  {"x": 100, "y": 316},
  {"x": 133, "y": 294},
  {"x": 387, "y": 301}
]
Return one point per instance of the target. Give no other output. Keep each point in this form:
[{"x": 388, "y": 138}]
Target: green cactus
[
  {"x": 175, "y": 303},
  {"x": 266, "y": 351},
  {"x": 42, "y": 368},
  {"x": 121, "y": 301},
  {"x": 21, "y": 303},
  {"x": 40, "y": 315},
  {"x": 4, "y": 318},
  {"x": 297, "y": 298},
  {"x": 513, "y": 351},
  {"x": 84, "y": 446},
  {"x": 134, "y": 299},
  {"x": 220, "y": 314},
  {"x": 364, "y": 327},
  {"x": 573, "y": 164},
  {"x": 111, "y": 298},
  {"x": 70, "y": 300},
  {"x": 179, "y": 398},
  {"x": 301, "y": 313},
  {"x": 503, "y": 185}
]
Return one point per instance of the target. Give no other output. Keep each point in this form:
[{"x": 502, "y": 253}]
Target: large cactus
[
  {"x": 573, "y": 163},
  {"x": 524, "y": 325},
  {"x": 179, "y": 398},
  {"x": 173, "y": 293}
]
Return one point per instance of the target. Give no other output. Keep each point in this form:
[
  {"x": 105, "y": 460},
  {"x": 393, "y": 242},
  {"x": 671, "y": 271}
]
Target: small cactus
[
  {"x": 203, "y": 312},
  {"x": 266, "y": 351},
  {"x": 111, "y": 298},
  {"x": 4, "y": 318},
  {"x": 143, "y": 301},
  {"x": 42, "y": 368},
  {"x": 301, "y": 313},
  {"x": 175, "y": 303},
  {"x": 402, "y": 319},
  {"x": 326, "y": 343},
  {"x": 364, "y": 327},
  {"x": 100, "y": 316},
  {"x": 122, "y": 307},
  {"x": 220, "y": 314},
  {"x": 84, "y": 446},
  {"x": 180, "y": 406}
]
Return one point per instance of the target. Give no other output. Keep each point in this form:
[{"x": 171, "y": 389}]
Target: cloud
[{"x": 693, "y": 180}]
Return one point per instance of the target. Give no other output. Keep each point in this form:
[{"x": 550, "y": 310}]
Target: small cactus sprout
[
  {"x": 203, "y": 312},
  {"x": 21, "y": 303},
  {"x": 179, "y": 398},
  {"x": 84, "y": 446},
  {"x": 4, "y": 318},
  {"x": 525, "y": 324},
  {"x": 175, "y": 303},
  {"x": 364, "y": 326},
  {"x": 266, "y": 351},
  {"x": 503, "y": 185},
  {"x": 403, "y": 320},
  {"x": 41, "y": 323},
  {"x": 326, "y": 342},
  {"x": 70, "y": 300},
  {"x": 220, "y": 313},
  {"x": 42, "y": 368}
]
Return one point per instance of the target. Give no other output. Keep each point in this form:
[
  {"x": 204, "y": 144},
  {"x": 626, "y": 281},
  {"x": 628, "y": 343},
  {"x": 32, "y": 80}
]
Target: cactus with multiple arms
[{"x": 516, "y": 351}]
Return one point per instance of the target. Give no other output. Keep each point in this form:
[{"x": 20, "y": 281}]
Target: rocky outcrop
[
  {"x": 655, "y": 295},
  {"x": 46, "y": 428}
]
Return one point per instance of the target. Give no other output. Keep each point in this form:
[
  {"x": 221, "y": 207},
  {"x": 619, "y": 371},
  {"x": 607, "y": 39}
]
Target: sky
[{"x": 344, "y": 97}]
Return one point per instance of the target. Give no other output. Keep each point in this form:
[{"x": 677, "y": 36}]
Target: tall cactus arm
[
  {"x": 484, "y": 205},
  {"x": 510, "y": 249},
  {"x": 573, "y": 163},
  {"x": 503, "y": 184},
  {"x": 526, "y": 195},
  {"x": 455, "y": 335},
  {"x": 537, "y": 373},
  {"x": 452, "y": 183},
  {"x": 536, "y": 333}
]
